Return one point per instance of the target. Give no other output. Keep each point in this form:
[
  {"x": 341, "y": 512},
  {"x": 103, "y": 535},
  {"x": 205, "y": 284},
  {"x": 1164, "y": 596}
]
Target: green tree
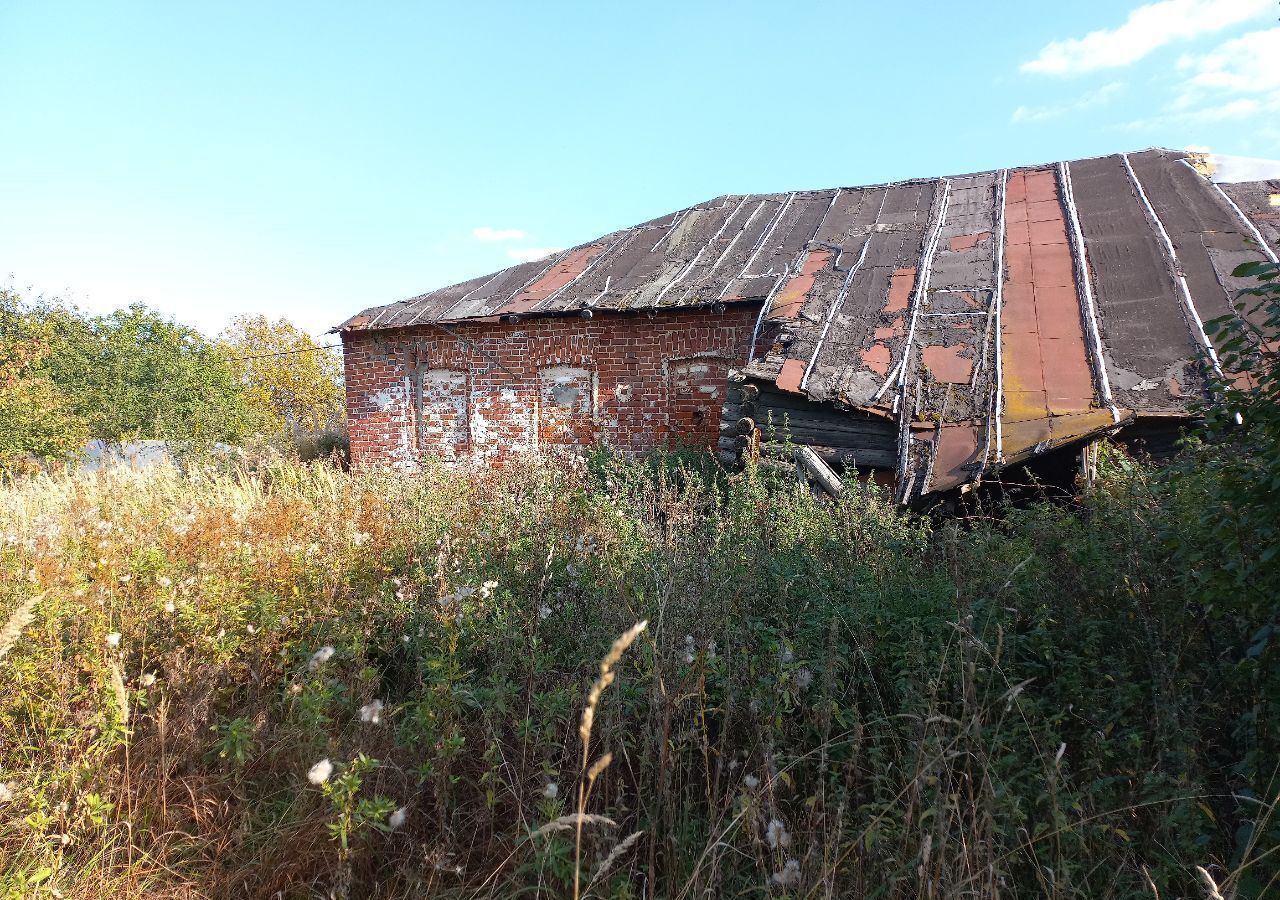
[
  {"x": 37, "y": 419},
  {"x": 1241, "y": 450},
  {"x": 133, "y": 374},
  {"x": 1223, "y": 527},
  {"x": 290, "y": 382}
]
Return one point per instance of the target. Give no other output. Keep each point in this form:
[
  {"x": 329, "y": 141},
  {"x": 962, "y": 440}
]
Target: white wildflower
[
  {"x": 320, "y": 657},
  {"x": 320, "y": 772},
  {"x": 113, "y": 639},
  {"x": 688, "y": 659},
  {"x": 544, "y": 611},
  {"x": 125, "y": 578},
  {"x": 551, "y": 791},
  {"x": 804, "y": 678},
  {"x": 6, "y": 792},
  {"x": 776, "y": 834},
  {"x": 251, "y": 628},
  {"x": 787, "y": 655},
  {"x": 360, "y": 538},
  {"x": 751, "y": 781},
  {"x": 396, "y": 819},
  {"x": 147, "y": 679},
  {"x": 372, "y": 712},
  {"x": 170, "y": 607},
  {"x": 789, "y": 875},
  {"x": 487, "y": 589},
  {"x": 163, "y": 581},
  {"x": 688, "y": 640},
  {"x": 404, "y": 638}
]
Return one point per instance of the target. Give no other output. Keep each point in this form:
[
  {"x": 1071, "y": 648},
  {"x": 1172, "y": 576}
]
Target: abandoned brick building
[{"x": 933, "y": 330}]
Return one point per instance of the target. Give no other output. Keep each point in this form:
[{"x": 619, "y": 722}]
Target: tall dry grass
[{"x": 299, "y": 682}]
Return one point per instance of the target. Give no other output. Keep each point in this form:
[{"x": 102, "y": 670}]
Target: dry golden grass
[{"x": 828, "y": 700}]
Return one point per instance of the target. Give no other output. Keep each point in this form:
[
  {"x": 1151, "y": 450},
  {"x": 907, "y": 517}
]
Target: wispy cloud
[
  {"x": 1237, "y": 79},
  {"x": 1249, "y": 64},
  {"x": 485, "y": 233},
  {"x": 532, "y": 254},
  {"x": 1147, "y": 28},
  {"x": 1242, "y": 108},
  {"x": 1028, "y": 114}
]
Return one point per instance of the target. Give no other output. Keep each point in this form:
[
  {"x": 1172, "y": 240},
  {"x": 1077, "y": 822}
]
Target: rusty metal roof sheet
[{"x": 992, "y": 316}]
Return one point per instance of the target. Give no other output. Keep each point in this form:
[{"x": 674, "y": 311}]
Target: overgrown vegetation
[
  {"x": 300, "y": 681},
  {"x": 66, "y": 377}
]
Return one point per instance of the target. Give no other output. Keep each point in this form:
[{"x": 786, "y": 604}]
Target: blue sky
[{"x": 308, "y": 160}]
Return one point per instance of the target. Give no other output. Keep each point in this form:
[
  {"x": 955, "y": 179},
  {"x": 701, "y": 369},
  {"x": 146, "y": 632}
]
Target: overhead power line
[{"x": 287, "y": 352}]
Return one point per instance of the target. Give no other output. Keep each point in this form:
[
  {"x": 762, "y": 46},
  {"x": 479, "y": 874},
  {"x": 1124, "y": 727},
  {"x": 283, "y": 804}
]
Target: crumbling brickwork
[{"x": 487, "y": 389}]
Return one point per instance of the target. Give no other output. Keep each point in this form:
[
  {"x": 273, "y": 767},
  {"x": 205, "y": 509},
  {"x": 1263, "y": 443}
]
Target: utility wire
[{"x": 287, "y": 352}]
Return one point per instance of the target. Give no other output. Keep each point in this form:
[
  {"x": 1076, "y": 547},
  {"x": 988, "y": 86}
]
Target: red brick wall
[{"x": 624, "y": 380}]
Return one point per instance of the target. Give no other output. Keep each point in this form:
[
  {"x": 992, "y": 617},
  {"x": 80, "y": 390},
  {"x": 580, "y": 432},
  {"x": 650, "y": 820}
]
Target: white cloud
[
  {"x": 1249, "y": 64},
  {"x": 1146, "y": 29},
  {"x": 1233, "y": 109},
  {"x": 1237, "y": 79},
  {"x": 485, "y": 233},
  {"x": 532, "y": 254},
  {"x": 1028, "y": 114}
]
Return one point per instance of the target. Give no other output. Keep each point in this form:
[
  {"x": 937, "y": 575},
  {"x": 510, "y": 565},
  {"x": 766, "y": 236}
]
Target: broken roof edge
[
  {"x": 1228, "y": 169},
  {"x": 574, "y": 313}
]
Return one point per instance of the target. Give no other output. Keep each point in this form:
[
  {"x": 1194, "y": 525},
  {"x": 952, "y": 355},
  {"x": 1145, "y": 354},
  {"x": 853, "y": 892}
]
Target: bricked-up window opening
[
  {"x": 567, "y": 405},
  {"x": 442, "y": 411},
  {"x": 695, "y": 394}
]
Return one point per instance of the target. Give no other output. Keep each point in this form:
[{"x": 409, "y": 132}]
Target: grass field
[{"x": 299, "y": 682}]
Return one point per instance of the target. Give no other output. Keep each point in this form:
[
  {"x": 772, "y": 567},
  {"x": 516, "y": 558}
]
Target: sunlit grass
[{"x": 298, "y": 682}]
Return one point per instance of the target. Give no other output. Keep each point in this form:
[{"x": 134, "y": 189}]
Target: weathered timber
[{"x": 821, "y": 473}]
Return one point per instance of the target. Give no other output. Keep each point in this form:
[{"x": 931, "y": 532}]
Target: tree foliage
[
  {"x": 128, "y": 375},
  {"x": 134, "y": 374},
  {"x": 290, "y": 383},
  {"x": 1221, "y": 521},
  {"x": 36, "y": 416}
]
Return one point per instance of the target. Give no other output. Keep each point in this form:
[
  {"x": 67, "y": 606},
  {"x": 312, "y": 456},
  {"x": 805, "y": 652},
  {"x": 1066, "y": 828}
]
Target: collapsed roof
[{"x": 984, "y": 318}]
